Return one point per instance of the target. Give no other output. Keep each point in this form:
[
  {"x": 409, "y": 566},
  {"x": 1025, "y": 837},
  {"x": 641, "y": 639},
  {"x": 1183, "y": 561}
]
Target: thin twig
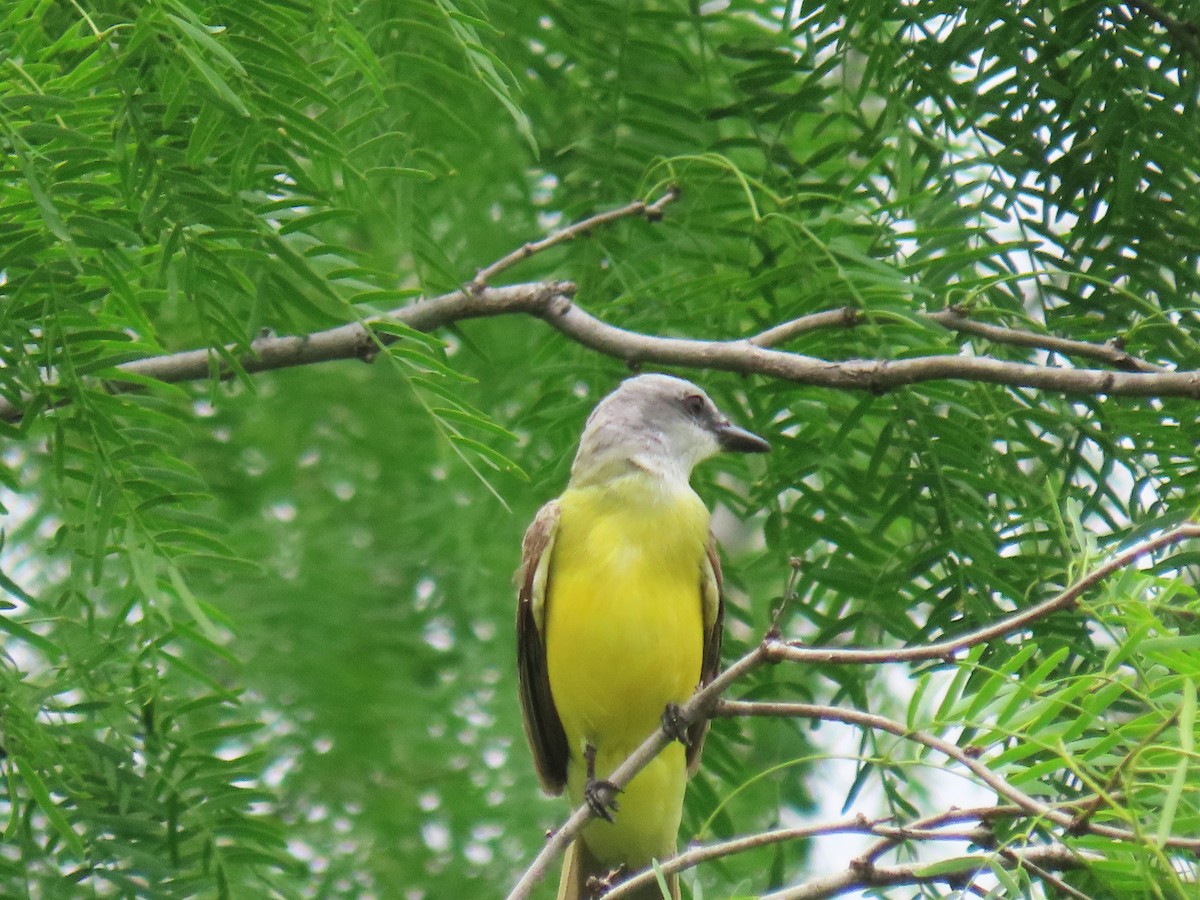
[
  {"x": 1052, "y": 856},
  {"x": 986, "y": 815},
  {"x": 1079, "y": 823},
  {"x": 820, "y": 712},
  {"x": 947, "y": 649},
  {"x": 922, "y": 829},
  {"x": 789, "y": 594},
  {"x": 951, "y": 816},
  {"x": 1033, "y": 806},
  {"x": 1043, "y": 874},
  {"x": 846, "y": 317},
  {"x": 694, "y": 856},
  {"x": 651, "y": 211},
  {"x": 954, "y": 319}
]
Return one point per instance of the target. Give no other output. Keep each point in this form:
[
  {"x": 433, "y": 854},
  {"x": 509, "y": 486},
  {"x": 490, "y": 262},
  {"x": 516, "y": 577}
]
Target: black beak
[{"x": 739, "y": 440}]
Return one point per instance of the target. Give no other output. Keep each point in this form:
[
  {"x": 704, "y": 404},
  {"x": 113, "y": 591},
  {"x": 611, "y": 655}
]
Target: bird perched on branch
[{"x": 619, "y": 620}]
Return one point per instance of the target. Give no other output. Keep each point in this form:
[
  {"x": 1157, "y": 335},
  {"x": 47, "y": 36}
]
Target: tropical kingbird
[{"x": 619, "y": 619}]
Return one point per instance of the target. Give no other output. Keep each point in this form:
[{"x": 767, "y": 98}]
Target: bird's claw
[
  {"x": 601, "y": 797},
  {"x": 600, "y": 794}
]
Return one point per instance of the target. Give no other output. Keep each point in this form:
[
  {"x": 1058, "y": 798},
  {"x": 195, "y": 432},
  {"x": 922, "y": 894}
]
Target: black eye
[{"x": 694, "y": 404}]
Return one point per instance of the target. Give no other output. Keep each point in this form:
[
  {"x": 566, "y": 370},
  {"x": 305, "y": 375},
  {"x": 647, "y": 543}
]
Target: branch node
[
  {"x": 769, "y": 647},
  {"x": 365, "y": 348},
  {"x": 876, "y": 384},
  {"x": 560, "y": 304},
  {"x": 789, "y": 593},
  {"x": 654, "y": 212},
  {"x": 863, "y": 867}
]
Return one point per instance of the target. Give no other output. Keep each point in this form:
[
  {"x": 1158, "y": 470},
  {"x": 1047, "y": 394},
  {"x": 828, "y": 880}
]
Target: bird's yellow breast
[{"x": 624, "y": 617}]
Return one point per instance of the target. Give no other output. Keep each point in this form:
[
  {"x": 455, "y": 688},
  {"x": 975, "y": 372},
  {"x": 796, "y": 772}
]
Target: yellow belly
[{"x": 624, "y": 637}]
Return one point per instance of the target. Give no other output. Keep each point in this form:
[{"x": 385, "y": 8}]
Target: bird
[{"x": 619, "y": 620}]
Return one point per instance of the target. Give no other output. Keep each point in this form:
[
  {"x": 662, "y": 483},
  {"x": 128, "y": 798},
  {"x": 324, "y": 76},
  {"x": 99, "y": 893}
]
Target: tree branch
[
  {"x": 694, "y": 856},
  {"x": 1052, "y": 856},
  {"x": 351, "y": 341},
  {"x": 952, "y": 816},
  {"x": 1045, "y": 875},
  {"x": 1113, "y": 353},
  {"x": 928, "y": 829},
  {"x": 846, "y": 317},
  {"x": 876, "y": 376},
  {"x": 1033, "y": 806},
  {"x": 551, "y": 302},
  {"x": 956, "y": 319},
  {"x": 652, "y": 212},
  {"x": 780, "y": 650}
]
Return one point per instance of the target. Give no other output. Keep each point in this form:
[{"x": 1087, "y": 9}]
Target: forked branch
[{"x": 552, "y": 301}]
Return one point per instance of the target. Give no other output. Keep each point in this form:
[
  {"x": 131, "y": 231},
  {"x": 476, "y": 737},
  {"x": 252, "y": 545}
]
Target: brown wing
[
  {"x": 543, "y": 728},
  {"x": 713, "y": 602}
]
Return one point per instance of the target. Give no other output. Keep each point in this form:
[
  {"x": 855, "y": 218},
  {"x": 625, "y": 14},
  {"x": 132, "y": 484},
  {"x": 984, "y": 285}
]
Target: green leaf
[
  {"x": 15, "y": 629},
  {"x": 473, "y": 419},
  {"x": 1187, "y": 744},
  {"x": 201, "y": 613},
  {"x": 949, "y": 866},
  {"x": 309, "y": 220},
  {"x": 218, "y": 85},
  {"x": 41, "y": 795},
  {"x": 492, "y": 457},
  {"x": 203, "y": 36}
]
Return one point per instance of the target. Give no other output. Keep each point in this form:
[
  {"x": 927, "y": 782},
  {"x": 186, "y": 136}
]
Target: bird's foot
[
  {"x": 675, "y": 726},
  {"x": 601, "y": 797},
  {"x": 600, "y": 794},
  {"x": 599, "y": 885}
]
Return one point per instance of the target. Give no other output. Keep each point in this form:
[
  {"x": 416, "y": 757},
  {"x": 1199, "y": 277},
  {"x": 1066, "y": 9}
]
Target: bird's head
[{"x": 660, "y": 424}]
